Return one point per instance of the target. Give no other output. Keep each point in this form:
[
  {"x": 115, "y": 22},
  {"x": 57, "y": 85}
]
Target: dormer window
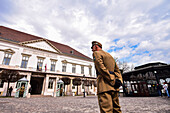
[{"x": 72, "y": 52}]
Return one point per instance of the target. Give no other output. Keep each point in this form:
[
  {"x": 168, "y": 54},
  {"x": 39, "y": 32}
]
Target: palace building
[{"x": 44, "y": 63}]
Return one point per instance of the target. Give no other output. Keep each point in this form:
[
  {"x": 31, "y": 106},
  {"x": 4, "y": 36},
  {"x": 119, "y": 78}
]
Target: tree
[
  {"x": 122, "y": 65},
  {"x": 9, "y": 76},
  {"x": 77, "y": 82},
  {"x": 66, "y": 82},
  {"x": 125, "y": 67}
]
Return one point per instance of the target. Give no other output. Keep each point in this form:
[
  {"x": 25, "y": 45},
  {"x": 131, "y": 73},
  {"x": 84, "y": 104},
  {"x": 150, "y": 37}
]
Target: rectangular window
[
  {"x": 82, "y": 69},
  {"x": 53, "y": 63},
  {"x": 90, "y": 71},
  {"x": 24, "y": 61},
  {"x": 40, "y": 64},
  {"x": 50, "y": 83},
  {"x": 1, "y": 83},
  {"x": 73, "y": 68},
  {"x": 64, "y": 66},
  {"x": 7, "y": 58}
]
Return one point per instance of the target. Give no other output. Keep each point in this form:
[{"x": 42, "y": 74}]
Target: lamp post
[
  {"x": 158, "y": 84},
  {"x": 84, "y": 85}
]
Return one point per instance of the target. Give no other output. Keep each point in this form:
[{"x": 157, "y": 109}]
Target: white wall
[{"x": 32, "y": 63}]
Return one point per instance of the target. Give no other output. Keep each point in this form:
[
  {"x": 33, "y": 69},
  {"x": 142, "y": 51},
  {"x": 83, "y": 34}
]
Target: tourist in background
[{"x": 165, "y": 86}]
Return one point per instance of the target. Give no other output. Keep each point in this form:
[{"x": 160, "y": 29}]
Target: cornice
[
  {"x": 65, "y": 61},
  {"x": 41, "y": 57},
  {"x": 53, "y": 59},
  {"x": 8, "y": 50},
  {"x": 46, "y": 73},
  {"x": 26, "y": 54}
]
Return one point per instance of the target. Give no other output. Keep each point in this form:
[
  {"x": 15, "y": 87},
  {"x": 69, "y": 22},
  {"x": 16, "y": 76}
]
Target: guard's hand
[{"x": 117, "y": 84}]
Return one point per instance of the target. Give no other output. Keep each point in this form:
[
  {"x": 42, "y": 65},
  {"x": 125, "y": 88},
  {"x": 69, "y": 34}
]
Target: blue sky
[{"x": 135, "y": 31}]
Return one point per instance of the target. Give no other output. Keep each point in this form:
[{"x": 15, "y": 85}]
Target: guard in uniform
[
  {"x": 21, "y": 92},
  {"x": 109, "y": 79}
]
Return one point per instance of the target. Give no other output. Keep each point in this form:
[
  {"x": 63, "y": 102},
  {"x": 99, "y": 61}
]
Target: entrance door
[
  {"x": 36, "y": 85},
  {"x": 140, "y": 89},
  {"x": 60, "y": 90},
  {"x": 143, "y": 89},
  {"x": 134, "y": 87}
]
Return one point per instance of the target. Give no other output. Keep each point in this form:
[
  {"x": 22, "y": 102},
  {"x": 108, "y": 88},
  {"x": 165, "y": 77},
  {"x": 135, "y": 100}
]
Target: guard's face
[{"x": 94, "y": 48}]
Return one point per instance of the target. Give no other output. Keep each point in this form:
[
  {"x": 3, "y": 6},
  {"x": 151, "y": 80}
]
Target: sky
[{"x": 134, "y": 31}]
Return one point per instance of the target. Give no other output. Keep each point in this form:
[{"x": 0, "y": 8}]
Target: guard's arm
[
  {"x": 118, "y": 74},
  {"x": 100, "y": 66}
]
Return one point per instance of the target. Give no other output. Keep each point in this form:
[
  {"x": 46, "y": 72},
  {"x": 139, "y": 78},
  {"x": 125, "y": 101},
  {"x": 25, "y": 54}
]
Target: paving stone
[{"x": 79, "y": 104}]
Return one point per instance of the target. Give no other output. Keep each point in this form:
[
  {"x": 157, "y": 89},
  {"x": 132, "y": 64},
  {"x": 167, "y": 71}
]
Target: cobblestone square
[{"x": 78, "y": 104}]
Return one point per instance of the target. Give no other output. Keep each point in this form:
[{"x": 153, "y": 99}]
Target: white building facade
[{"x": 43, "y": 63}]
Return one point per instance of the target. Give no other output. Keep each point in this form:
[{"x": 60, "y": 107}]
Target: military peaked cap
[{"x": 96, "y": 43}]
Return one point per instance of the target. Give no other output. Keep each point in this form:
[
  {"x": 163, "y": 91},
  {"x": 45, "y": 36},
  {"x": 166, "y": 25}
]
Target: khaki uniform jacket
[{"x": 104, "y": 63}]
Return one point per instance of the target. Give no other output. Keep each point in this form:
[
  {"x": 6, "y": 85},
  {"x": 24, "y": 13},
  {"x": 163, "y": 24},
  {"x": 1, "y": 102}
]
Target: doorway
[
  {"x": 140, "y": 89},
  {"x": 36, "y": 85}
]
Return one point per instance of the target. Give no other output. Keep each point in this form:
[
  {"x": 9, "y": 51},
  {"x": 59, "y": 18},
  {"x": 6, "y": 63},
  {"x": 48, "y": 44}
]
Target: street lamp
[
  {"x": 158, "y": 84},
  {"x": 84, "y": 85}
]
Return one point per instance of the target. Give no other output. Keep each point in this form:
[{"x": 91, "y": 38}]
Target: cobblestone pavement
[{"x": 78, "y": 104}]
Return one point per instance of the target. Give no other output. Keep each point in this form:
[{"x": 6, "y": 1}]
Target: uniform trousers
[{"x": 109, "y": 102}]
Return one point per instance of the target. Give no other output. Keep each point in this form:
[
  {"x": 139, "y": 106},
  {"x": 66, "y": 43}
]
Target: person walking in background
[
  {"x": 10, "y": 91},
  {"x": 165, "y": 86},
  {"x": 159, "y": 87},
  {"x": 169, "y": 87},
  {"x": 109, "y": 79}
]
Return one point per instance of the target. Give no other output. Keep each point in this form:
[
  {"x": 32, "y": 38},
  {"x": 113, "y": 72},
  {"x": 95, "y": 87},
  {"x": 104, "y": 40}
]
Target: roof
[
  {"x": 23, "y": 79},
  {"x": 150, "y": 64},
  {"x": 146, "y": 69},
  {"x": 19, "y": 37}
]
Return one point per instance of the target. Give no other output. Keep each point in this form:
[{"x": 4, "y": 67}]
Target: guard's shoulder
[{"x": 97, "y": 52}]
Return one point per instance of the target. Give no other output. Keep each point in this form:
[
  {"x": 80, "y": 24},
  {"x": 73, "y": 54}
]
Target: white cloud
[{"x": 77, "y": 23}]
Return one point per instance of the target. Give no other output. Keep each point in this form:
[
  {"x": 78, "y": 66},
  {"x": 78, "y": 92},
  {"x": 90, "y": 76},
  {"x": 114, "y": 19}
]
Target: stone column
[
  {"x": 43, "y": 88},
  {"x": 70, "y": 89},
  {"x": 29, "y": 80},
  {"x": 55, "y": 86},
  {"x": 46, "y": 84}
]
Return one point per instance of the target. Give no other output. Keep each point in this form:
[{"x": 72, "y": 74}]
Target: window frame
[
  {"x": 73, "y": 68},
  {"x": 64, "y": 67},
  {"x": 82, "y": 69},
  {"x": 50, "y": 83},
  {"x": 40, "y": 61},
  {"x": 90, "y": 71},
  {"x": 53, "y": 65},
  {"x": 25, "y": 61},
  {"x": 7, "y": 58}
]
